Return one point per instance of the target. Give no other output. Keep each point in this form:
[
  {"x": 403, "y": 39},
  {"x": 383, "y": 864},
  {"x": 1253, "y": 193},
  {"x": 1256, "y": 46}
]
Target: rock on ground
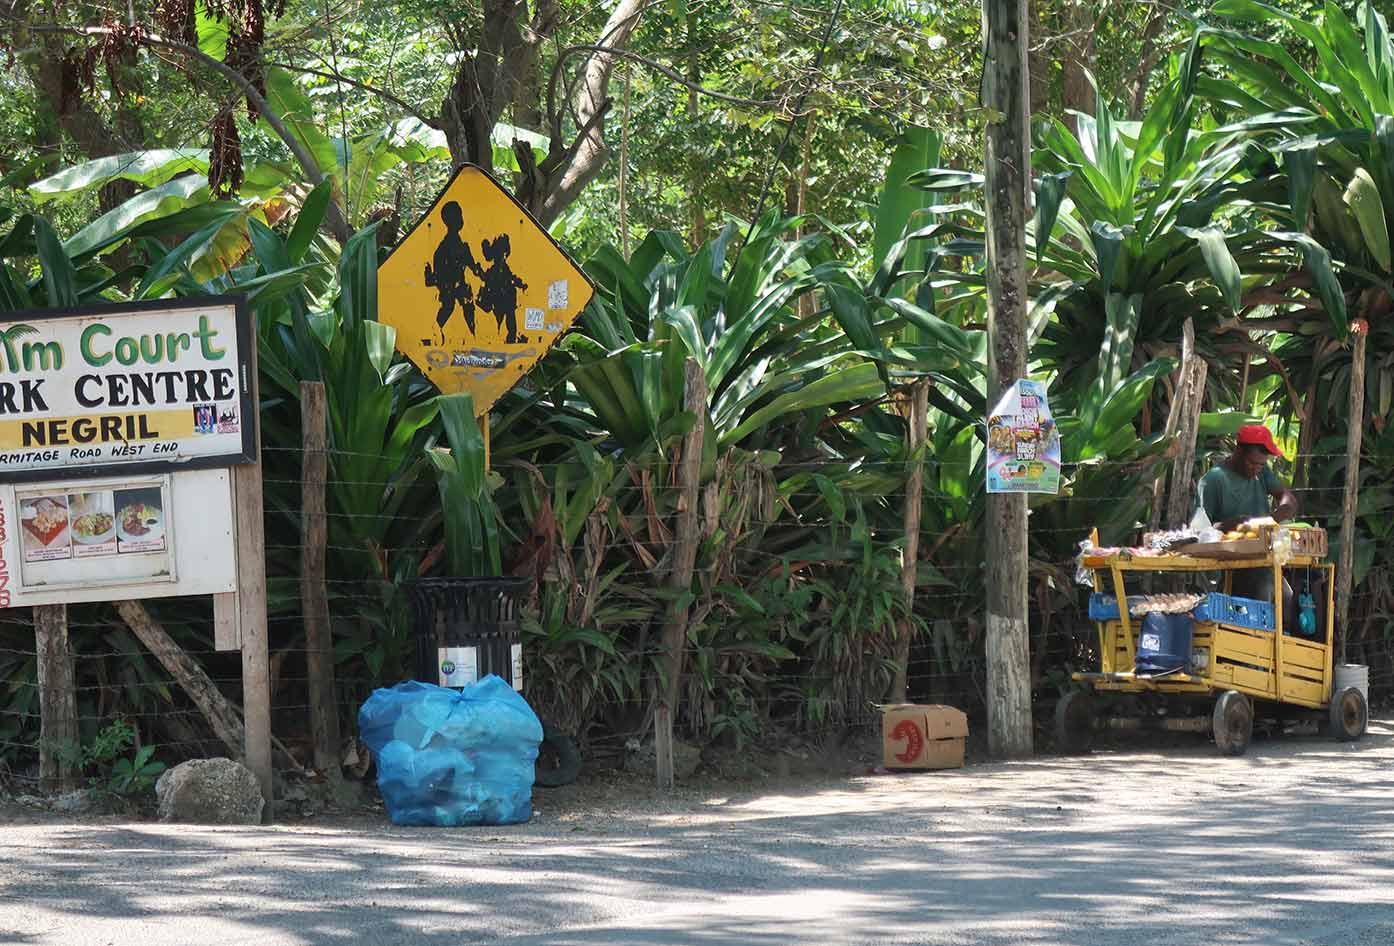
[{"x": 210, "y": 791}]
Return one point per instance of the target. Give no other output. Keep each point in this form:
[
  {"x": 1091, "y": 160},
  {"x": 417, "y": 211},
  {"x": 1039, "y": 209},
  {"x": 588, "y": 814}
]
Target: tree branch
[
  {"x": 381, "y": 93},
  {"x": 665, "y": 71},
  {"x": 306, "y": 161}
]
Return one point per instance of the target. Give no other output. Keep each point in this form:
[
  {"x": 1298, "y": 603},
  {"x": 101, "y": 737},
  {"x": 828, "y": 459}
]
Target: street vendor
[{"x": 1242, "y": 488}]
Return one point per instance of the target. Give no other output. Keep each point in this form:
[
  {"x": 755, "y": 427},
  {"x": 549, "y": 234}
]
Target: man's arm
[{"x": 1284, "y": 503}]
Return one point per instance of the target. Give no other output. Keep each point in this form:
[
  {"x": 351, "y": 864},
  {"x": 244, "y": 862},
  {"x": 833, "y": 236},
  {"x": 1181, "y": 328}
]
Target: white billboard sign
[{"x": 144, "y": 387}]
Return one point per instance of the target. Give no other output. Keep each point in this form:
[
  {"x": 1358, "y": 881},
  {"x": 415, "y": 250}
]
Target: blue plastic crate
[
  {"x": 1104, "y": 607},
  {"x": 1241, "y": 612}
]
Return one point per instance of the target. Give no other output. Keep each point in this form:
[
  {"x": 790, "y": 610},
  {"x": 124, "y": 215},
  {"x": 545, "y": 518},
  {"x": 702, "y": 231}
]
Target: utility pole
[{"x": 1006, "y": 100}]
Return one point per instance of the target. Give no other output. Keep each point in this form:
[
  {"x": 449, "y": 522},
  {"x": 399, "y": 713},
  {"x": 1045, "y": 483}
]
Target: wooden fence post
[
  {"x": 1178, "y": 405},
  {"x": 1356, "y": 421},
  {"x": 57, "y": 697},
  {"x": 909, "y": 566},
  {"x": 314, "y": 598},
  {"x": 685, "y": 541},
  {"x": 1192, "y": 393}
]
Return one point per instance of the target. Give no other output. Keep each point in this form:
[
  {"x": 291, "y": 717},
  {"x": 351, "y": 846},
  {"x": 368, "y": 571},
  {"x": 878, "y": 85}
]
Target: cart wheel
[
  {"x": 558, "y": 759},
  {"x": 1233, "y": 723},
  {"x": 1349, "y": 714},
  {"x": 1074, "y": 722}
]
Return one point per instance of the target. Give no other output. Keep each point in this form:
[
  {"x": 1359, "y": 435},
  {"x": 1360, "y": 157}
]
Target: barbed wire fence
[{"x": 796, "y": 598}]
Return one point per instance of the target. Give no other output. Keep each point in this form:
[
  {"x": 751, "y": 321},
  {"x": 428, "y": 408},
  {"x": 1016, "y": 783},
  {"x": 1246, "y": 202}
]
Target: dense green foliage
[{"x": 1241, "y": 179}]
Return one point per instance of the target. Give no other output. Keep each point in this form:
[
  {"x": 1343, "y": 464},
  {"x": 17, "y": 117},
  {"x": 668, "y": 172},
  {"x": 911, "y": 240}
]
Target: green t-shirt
[{"x": 1225, "y": 494}]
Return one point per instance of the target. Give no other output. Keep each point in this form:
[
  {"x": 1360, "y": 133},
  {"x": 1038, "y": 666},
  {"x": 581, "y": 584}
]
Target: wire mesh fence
[{"x": 795, "y": 608}]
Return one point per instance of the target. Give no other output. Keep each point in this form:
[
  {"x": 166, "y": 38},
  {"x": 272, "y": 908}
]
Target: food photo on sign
[
  {"x": 44, "y": 528},
  {"x": 140, "y": 520},
  {"x": 93, "y": 523}
]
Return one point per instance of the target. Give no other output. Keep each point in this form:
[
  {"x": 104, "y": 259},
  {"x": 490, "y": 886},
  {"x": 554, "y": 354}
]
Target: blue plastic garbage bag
[{"x": 453, "y": 758}]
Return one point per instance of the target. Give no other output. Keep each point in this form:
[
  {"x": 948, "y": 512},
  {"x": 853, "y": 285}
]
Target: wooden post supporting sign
[
  {"x": 57, "y": 698},
  {"x": 250, "y": 530}
]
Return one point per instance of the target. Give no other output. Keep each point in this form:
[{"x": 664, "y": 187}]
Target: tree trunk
[
  {"x": 807, "y": 303},
  {"x": 487, "y": 78},
  {"x": 1006, "y": 97},
  {"x": 1078, "y": 60},
  {"x": 1345, "y": 579},
  {"x": 527, "y": 107},
  {"x": 624, "y": 169},
  {"x": 1039, "y": 63},
  {"x": 694, "y": 75},
  {"x": 1147, "y": 62}
]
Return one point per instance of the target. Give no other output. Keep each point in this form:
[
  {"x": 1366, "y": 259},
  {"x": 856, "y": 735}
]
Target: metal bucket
[{"x": 1352, "y": 675}]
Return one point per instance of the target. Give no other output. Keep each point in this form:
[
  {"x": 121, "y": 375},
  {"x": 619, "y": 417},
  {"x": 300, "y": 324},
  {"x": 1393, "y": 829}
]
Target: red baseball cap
[{"x": 1257, "y": 435}]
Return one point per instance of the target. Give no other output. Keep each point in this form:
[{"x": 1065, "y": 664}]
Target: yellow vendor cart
[{"x": 1240, "y": 665}]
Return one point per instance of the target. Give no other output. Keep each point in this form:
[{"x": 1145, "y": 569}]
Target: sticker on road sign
[{"x": 477, "y": 290}]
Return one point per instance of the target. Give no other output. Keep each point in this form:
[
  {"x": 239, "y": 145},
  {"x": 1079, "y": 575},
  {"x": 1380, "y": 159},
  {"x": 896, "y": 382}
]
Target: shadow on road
[{"x": 1132, "y": 846}]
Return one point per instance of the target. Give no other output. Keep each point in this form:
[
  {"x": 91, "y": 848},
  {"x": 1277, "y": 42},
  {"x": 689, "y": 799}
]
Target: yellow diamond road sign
[{"x": 477, "y": 290}]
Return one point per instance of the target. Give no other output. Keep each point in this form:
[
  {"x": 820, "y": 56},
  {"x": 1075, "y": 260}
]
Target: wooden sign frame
[{"x": 240, "y": 616}]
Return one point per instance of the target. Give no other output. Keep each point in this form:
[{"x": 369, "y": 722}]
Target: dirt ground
[{"x": 1140, "y": 843}]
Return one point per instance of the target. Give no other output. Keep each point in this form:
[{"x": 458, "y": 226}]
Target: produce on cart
[{"x": 1206, "y": 659}]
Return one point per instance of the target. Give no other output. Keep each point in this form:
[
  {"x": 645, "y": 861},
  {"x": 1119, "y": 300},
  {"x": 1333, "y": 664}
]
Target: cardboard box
[{"x": 922, "y": 737}]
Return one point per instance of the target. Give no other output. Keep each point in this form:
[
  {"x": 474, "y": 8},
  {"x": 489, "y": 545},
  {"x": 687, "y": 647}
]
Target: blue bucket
[{"x": 1164, "y": 643}]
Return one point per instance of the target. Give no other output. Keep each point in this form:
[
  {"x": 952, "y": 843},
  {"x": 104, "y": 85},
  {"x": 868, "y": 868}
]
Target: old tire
[
  {"x": 1074, "y": 722},
  {"x": 1349, "y": 715},
  {"x": 558, "y": 759},
  {"x": 1233, "y": 723}
]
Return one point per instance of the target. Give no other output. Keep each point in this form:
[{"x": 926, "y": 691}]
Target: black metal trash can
[{"x": 466, "y": 628}]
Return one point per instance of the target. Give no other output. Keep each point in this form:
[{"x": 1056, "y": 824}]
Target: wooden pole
[
  {"x": 251, "y": 606},
  {"x": 314, "y": 597},
  {"x": 685, "y": 540},
  {"x": 57, "y": 697},
  {"x": 192, "y": 678},
  {"x": 1006, "y": 98},
  {"x": 1192, "y": 394},
  {"x": 909, "y": 565},
  {"x": 1173, "y": 423},
  {"x": 1356, "y": 420}
]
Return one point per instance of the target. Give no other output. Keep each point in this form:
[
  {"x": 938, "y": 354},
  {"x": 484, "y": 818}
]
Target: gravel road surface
[{"x": 1292, "y": 845}]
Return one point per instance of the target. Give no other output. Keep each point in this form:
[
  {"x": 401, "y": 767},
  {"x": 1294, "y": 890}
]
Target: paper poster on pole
[{"x": 1023, "y": 444}]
